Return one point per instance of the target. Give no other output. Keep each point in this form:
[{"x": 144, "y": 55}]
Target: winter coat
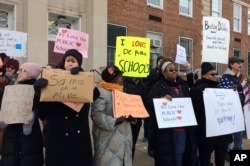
[
  {"x": 23, "y": 150},
  {"x": 112, "y": 143},
  {"x": 199, "y": 108},
  {"x": 68, "y": 139},
  {"x": 164, "y": 138}
]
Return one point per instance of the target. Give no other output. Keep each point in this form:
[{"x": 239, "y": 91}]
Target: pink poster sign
[{"x": 71, "y": 39}]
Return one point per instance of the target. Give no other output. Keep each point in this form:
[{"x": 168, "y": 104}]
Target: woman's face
[
  {"x": 22, "y": 75},
  {"x": 70, "y": 62},
  {"x": 170, "y": 72},
  {"x": 211, "y": 75}
]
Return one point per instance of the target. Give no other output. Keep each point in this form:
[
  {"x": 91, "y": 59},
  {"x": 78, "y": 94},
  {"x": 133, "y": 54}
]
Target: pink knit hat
[{"x": 32, "y": 69}]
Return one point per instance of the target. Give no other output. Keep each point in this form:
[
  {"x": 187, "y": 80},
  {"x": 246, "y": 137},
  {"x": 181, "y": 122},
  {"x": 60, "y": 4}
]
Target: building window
[
  {"x": 237, "y": 18},
  {"x": 186, "y": 7},
  {"x": 155, "y": 3},
  {"x": 216, "y": 8},
  {"x": 3, "y": 19},
  {"x": 113, "y": 32},
  {"x": 7, "y": 16},
  {"x": 237, "y": 52},
  {"x": 188, "y": 45}
]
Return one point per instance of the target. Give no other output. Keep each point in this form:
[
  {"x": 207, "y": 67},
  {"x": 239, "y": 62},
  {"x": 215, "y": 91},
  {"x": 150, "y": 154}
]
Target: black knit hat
[
  {"x": 206, "y": 67},
  {"x": 71, "y": 52},
  {"x": 110, "y": 72}
]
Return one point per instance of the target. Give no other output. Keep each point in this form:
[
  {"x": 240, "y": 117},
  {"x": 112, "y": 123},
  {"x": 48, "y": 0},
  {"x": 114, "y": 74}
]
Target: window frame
[
  {"x": 190, "y": 8},
  {"x": 238, "y": 19},
  {"x": 190, "y": 57},
  {"x": 151, "y": 4},
  {"x": 218, "y": 11},
  {"x": 238, "y": 50},
  {"x": 11, "y": 10}
]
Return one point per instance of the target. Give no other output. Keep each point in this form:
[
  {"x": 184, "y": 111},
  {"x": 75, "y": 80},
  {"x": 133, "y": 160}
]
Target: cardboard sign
[
  {"x": 176, "y": 113},
  {"x": 64, "y": 86},
  {"x": 127, "y": 104},
  {"x": 71, "y": 39},
  {"x": 17, "y": 103},
  {"x": 133, "y": 56},
  {"x": 216, "y": 38},
  {"x": 224, "y": 114},
  {"x": 75, "y": 106},
  {"x": 13, "y": 43}
]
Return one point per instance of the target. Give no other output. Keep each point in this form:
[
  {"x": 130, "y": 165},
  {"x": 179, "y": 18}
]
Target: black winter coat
[
  {"x": 199, "y": 108},
  {"x": 68, "y": 139},
  {"x": 164, "y": 138},
  {"x": 19, "y": 149}
]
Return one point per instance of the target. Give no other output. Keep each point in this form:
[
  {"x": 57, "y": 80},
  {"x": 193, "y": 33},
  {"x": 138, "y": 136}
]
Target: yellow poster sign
[{"x": 133, "y": 56}]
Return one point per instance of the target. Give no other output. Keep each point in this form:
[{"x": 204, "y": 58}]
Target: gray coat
[{"x": 112, "y": 144}]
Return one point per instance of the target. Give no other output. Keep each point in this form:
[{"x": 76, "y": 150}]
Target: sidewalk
[{"x": 143, "y": 159}]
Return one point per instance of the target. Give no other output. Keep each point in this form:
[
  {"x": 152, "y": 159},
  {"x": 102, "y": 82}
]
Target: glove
[
  {"x": 27, "y": 128},
  {"x": 131, "y": 119},
  {"x": 40, "y": 83},
  {"x": 3, "y": 125},
  {"x": 119, "y": 120},
  {"x": 76, "y": 70}
]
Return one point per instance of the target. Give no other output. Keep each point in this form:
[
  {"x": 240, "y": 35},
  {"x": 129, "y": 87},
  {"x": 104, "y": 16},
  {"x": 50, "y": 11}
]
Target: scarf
[{"x": 111, "y": 86}]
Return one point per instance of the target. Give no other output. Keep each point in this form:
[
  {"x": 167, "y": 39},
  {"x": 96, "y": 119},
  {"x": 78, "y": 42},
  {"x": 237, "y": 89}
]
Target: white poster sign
[
  {"x": 13, "y": 43},
  {"x": 181, "y": 56},
  {"x": 247, "y": 119},
  {"x": 224, "y": 114},
  {"x": 176, "y": 113},
  {"x": 216, "y": 38}
]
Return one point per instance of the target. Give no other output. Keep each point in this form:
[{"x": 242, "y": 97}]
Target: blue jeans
[
  {"x": 180, "y": 141},
  {"x": 237, "y": 141}
]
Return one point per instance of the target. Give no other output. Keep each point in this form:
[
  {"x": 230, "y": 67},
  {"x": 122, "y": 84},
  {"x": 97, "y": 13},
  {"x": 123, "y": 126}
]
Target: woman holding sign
[
  {"x": 208, "y": 144},
  {"x": 171, "y": 143},
  {"x": 112, "y": 136},
  {"x": 68, "y": 136}
]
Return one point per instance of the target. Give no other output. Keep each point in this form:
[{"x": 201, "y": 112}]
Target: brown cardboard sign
[{"x": 64, "y": 86}]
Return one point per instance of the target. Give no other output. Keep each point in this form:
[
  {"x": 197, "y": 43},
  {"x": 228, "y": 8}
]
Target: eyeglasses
[
  {"x": 22, "y": 70},
  {"x": 11, "y": 67},
  {"x": 214, "y": 74},
  {"x": 172, "y": 70}
]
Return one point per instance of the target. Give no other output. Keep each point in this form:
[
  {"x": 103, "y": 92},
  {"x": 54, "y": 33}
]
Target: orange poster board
[{"x": 127, "y": 104}]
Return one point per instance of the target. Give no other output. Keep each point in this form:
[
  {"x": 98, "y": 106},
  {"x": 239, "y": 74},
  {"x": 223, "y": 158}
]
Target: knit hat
[
  {"x": 110, "y": 72},
  {"x": 76, "y": 54},
  {"x": 206, "y": 67},
  {"x": 235, "y": 59},
  {"x": 13, "y": 62},
  {"x": 32, "y": 69}
]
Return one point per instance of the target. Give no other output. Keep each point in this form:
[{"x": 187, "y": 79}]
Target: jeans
[
  {"x": 180, "y": 141},
  {"x": 237, "y": 141}
]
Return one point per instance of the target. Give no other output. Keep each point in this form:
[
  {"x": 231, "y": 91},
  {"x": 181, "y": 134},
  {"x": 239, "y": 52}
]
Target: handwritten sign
[
  {"x": 181, "y": 56},
  {"x": 13, "y": 43},
  {"x": 127, "y": 104},
  {"x": 224, "y": 114},
  {"x": 216, "y": 37},
  {"x": 17, "y": 103},
  {"x": 176, "y": 113},
  {"x": 247, "y": 119},
  {"x": 71, "y": 39},
  {"x": 133, "y": 55},
  {"x": 63, "y": 86}
]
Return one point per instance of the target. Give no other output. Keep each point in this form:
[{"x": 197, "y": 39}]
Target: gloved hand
[
  {"x": 120, "y": 120},
  {"x": 131, "y": 119},
  {"x": 40, "y": 83},
  {"x": 76, "y": 70},
  {"x": 27, "y": 127},
  {"x": 3, "y": 124}
]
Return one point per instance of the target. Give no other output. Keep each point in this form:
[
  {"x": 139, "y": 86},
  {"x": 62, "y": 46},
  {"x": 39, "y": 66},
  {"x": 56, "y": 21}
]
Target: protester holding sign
[
  {"x": 233, "y": 79},
  {"x": 68, "y": 137},
  {"x": 112, "y": 136},
  {"x": 170, "y": 143},
  {"x": 207, "y": 145},
  {"x": 22, "y": 144}
]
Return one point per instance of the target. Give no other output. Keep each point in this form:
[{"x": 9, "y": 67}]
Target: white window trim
[
  {"x": 240, "y": 19},
  {"x": 156, "y": 6},
  {"x": 220, "y": 9},
  {"x": 191, "y": 10},
  {"x": 192, "y": 55}
]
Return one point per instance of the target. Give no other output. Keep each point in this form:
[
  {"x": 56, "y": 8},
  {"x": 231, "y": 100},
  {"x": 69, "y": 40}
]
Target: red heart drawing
[
  {"x": 179, "y": 117},
  {"x": 164, "y": 104},
  {"x": 78, "y": 44},
  {"x": 64, "y": 31},
  {"x": 179, "y": 111}
]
